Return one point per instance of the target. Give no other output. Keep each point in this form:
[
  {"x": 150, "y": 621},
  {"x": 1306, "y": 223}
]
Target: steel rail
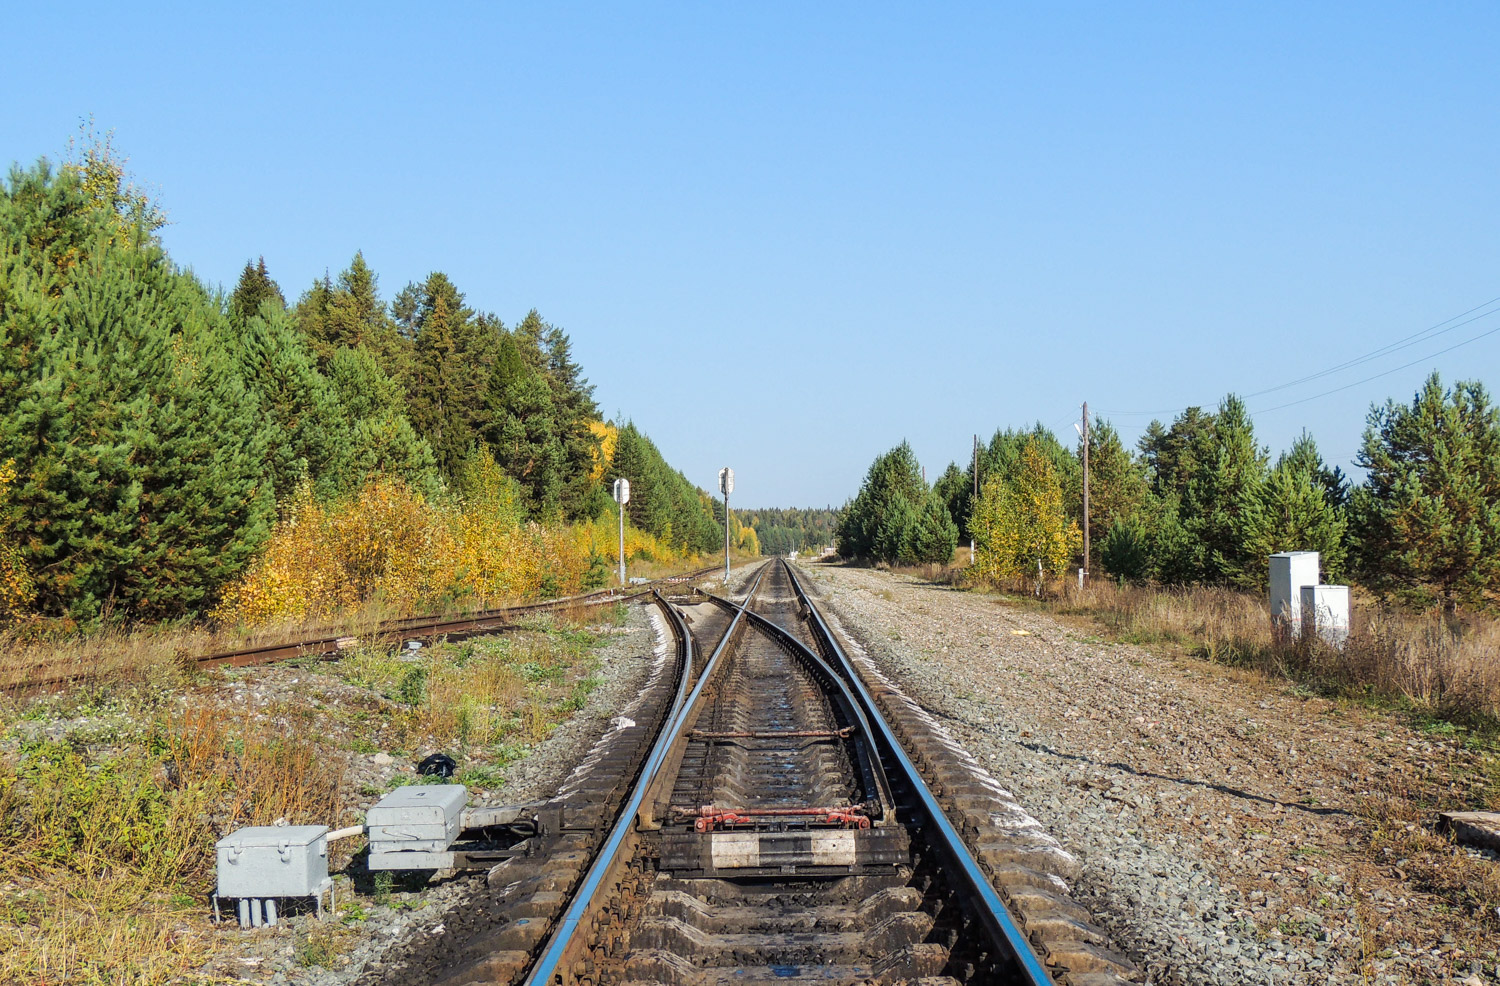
[
  {"x": 330, "y": 643},
  {"x": 871, "y": 771},
  {"x": 562, "y": 936},
  {"x": 992, "y": 910}
]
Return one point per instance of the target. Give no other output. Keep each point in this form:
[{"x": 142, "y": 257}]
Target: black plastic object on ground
[{"x": 437, "y": 765}]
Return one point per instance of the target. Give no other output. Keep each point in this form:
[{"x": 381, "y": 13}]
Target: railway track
[
  {"x": 786, "y": 819},
  {"x": 331, "y": 643}
]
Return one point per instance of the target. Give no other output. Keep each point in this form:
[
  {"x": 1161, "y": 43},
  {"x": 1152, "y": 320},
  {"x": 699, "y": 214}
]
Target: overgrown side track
[{"x": 330, "y": 644}]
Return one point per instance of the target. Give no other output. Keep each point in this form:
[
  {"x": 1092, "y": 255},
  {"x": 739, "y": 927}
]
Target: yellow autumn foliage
[
  {"x": 603, "y": 453},
  {"x": 16, "y": 587},
  {"x": 1020, "y": 528},
  {"x": 387, "y": 544}
]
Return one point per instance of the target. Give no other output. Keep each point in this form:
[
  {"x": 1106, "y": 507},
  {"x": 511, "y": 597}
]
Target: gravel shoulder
[{"x": 1230, "y": 830}]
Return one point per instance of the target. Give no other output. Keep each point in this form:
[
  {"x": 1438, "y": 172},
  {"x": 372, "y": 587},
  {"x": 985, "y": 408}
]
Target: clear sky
[{"x": 783, "y": 237}]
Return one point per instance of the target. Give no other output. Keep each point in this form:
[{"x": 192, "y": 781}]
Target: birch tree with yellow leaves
[{"x": 1021, "y": 531}]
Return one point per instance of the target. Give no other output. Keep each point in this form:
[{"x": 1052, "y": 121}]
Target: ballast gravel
[
  {"x": 1218, "y": 817},
  {"x": 418, "y": 903}
]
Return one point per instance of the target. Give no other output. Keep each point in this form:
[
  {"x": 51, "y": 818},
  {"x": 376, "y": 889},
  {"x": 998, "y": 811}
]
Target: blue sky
[{"x": 784, "y": 238}]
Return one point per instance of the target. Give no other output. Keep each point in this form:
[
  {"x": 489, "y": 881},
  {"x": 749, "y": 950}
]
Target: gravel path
[{"x": 1221, "y": 821}]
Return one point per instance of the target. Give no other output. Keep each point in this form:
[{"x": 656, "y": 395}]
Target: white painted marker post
[
  {"x": 622, "y": 497},
  {"x": 726, "y": 486}
]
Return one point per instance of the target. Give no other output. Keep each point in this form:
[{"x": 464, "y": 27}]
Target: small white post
[
  {"x": 726, "y": 486},
  {"x": 622, "y": 497}
]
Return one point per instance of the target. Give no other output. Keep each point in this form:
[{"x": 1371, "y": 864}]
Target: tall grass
[
  {"x": 104, "y": 845},
  {"x": 1445, "y": 666}
]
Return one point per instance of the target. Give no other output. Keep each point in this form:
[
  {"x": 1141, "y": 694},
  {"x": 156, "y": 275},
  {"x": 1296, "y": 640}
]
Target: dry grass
[
  {"x": 114, "y": 790},
  {"x": 1421, "y": 659},
  {"x": 106, "y": 837}
]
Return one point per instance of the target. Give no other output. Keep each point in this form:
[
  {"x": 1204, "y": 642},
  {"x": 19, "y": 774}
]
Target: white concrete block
[
  {"x": 1325, "y": 612},
  {"x": 1290, "y": 572}
]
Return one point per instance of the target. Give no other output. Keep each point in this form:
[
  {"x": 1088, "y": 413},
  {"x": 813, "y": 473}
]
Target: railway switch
[{"x": 413, "y": 827}]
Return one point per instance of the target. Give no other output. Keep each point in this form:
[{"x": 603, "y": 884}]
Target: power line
[
  {"x": 1400, "y": 344},
  {"x": 1404, "y": 366},
  {"x": 1405, "y": 342}
]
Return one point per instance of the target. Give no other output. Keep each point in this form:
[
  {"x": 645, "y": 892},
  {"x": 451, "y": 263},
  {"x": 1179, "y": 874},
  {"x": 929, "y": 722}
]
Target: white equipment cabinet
[{"x": 262, "y": 863}]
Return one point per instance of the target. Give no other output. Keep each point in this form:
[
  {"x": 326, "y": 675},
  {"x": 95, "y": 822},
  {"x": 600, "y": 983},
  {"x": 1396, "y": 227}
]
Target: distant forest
[{"x": 783, "y": 530}]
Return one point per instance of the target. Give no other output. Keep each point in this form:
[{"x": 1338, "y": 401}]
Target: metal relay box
[
  {"x": 427, "y": 817},
  {"x": 274, "y": 861}
]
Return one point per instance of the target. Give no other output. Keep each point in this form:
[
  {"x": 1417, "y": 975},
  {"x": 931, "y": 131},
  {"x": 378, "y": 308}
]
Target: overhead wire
[
  {"x": 1386, "y": 373},
  {"x": 1429, "y": 333},
  {"x": 1484, "y": 310}
]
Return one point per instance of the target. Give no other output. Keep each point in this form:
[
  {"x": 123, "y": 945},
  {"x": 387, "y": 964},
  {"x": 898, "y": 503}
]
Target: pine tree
[
  {"x": 1125, "y": 551},
  {"x": 1429, "y": 511},
  {"x": 205, "y": 503},
  {"x": 1173, "y": 456},
  {"x": 1117, "y": 482},
  {"x": 140, "y": 457}
]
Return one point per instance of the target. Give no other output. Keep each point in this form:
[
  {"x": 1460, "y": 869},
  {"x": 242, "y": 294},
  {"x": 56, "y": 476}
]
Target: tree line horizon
[{"x": 1200, "y": 502}]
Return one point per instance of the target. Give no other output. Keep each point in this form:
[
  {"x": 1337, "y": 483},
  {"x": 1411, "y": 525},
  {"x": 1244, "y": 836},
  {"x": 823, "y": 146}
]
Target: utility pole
[{"x": 1085, "y": 572}]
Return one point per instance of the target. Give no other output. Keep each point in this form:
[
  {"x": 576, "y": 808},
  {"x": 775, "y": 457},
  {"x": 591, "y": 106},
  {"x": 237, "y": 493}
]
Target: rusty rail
[{"x": 328, "y": 643}]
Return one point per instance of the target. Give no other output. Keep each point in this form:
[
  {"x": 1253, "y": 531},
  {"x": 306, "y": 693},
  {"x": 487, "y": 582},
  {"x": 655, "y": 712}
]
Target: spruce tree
[
  {"x": 254, "y": 289},
  {"x": 1290, "y": 510},
  {"x": 309, "y": 433},
  {"x": 382, "y": 441},
  {"x": 884, "y": 521},
  {"x": 435, "y": 399},
  {"x": 521, "y": 430},
  {"x": 454, "y": 356},
  {"x": 955, "y": 489},
  {"x": 1304, "y": 455}
]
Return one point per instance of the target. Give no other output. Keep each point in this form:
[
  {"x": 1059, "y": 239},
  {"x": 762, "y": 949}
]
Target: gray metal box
[
  {"x": 428, "y": 813},
  {"x": 274, "y": 861}
]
